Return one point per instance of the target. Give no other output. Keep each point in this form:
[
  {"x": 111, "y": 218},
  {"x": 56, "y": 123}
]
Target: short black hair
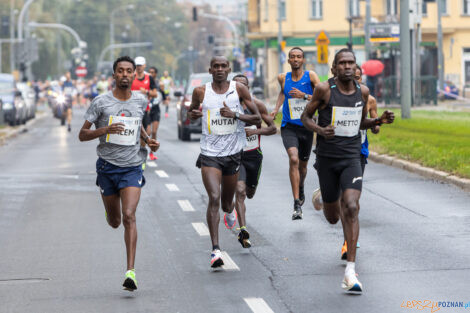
[
  {"x": 358, "y": 67},
  {"x": 241, "y": 76},
  {"x": 218, "y": 57},
  {"x": 124, "y": 58},
  {"x": 296, "y": 48},
  {"x": 153, "y": 68},
  {"x": 344, "y": 50}
]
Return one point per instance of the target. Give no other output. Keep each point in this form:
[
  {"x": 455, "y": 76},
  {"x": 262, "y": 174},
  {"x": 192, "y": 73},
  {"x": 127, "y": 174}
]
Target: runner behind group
[
  {"x": 252, "y": 158},
  {"x": 68, "y": 88},
  {"x": 119, "y": 170},
  {"x": 341, "y": 113},
  {"x": 167, "y": 82},
  {"x": 296, "y": 89},
  {"x": 222, "y": 141},
  {"x": 155, "y": 107},
  {"x": 144, "y": 83}
]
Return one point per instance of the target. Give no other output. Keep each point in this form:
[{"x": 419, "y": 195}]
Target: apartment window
[
  {"x": 283, "y": 9},
  {"x": 392, "y": 7},
  {"x": 444, "y": 5},
  {"x": 425, "y": 8},
  {"x": 266, "y": 10},
  {"x": 316, "y": 9},
  {"x": 354, "y": 8},
  {"x": 466, "y": 7}
]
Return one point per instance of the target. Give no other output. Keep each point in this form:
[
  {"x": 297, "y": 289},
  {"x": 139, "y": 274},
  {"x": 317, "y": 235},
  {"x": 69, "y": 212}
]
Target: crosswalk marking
[
  {"x": 151, "y": 164},
  {"x": 161, "y": 174},
  {"x": 172, "y": 187},
  {"x": 229, "y": 265},
  {"x": 258, "y": 305},
  {"x": 201, "y": 229},
  {"x": 186, "y": 206}
]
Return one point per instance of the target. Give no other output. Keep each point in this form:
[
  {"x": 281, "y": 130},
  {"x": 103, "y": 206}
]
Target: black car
[
  {"x": 186, "y": 127},
  {"x": 13, "y": 105}
]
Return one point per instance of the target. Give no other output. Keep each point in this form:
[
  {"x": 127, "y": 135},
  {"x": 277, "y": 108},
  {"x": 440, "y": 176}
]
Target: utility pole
[
  {"x": 279, "y": 35},
  {"x": 405, "y": 53},
  {"x": 440, "y": 54},
  {"x": 367, "y": 30},
  {"x": 12, "y": 35},
  {"x": 350, "y": 43}
]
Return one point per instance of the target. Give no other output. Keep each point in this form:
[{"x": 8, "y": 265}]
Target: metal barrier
[{"x": 424, "y": 86}]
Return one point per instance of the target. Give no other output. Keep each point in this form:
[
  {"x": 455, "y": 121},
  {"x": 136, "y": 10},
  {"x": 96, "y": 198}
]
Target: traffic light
[
  {"x": 194, "y": 14},
  {"x": 247, "y": 50}
]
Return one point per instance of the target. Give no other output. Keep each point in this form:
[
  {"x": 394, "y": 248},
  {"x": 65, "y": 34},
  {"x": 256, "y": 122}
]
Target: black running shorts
[
  {"x": 146, "y": 119},
  {"x": 250, "y": 169},
  {"x": 229, "y": 165},
  {"x": 336, "y": 175},
  {"x": 363, "y": 163},
  {"x": 299, "y": 137},
  {"x": 155, "y": 113}
]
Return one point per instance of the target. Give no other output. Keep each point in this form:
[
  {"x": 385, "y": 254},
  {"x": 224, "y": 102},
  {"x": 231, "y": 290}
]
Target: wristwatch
[
  {"x": 146, "y": 139},
  {"x": 378, "y": 121},
  {"x": 306, "y": 96},
  {"x": 237, "y": 115}
]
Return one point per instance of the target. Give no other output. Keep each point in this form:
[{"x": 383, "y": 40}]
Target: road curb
[
  {"x": 420, "y": 170},
  {"x": 13, "y": 132}
]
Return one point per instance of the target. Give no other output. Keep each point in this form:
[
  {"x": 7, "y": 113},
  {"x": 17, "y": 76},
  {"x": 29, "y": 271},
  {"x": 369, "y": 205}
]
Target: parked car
[
  {"x": 185, "y": 126},
  {"x": 14, "y": 108},
  {"x": 29, "y": 99}
]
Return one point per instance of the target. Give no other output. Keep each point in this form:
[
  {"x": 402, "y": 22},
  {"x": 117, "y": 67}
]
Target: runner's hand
[
  {"x": 143, "y": 90},
  {"x": 328, "y": 132},
  {"x": 250, "y": 132},
  {"x": 115, "y": 128},
  {"x": 194, "y": 114},
  {"x": 375, "y": 129},
  {"x": 153, "y": 144},
  {"x": 273, "y": 113},
  {"x": 226, "y": 112},
  {"x": 387, "y": 117},
  {"x": 296, "y": 93}
]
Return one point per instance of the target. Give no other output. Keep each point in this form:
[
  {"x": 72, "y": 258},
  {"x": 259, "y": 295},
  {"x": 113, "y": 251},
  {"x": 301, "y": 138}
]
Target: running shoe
[
  {"x": 244, "y": 237},
  {"x": 69, "y": 128},
  {"x": 230, "y": 219},
  {"x": 317, "y": 200},
  {"x": 216, "y": 258},
  {"x": 297, "y": 215},
  {"x": 351, "y": 284},
  {"x": 301, "y": 195},
  {"x": 344, "y": 251},
  {"x": 130, "y": 283},
  {"x": 166, "y": 115},
  {"x": 152, "y": 156}
]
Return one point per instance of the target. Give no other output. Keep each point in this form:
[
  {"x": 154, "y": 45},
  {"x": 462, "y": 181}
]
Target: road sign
[
  {"x": 81, "y": 71},
  {"x": 384, "y": 32},
  {"x": 322, "y": 41}
]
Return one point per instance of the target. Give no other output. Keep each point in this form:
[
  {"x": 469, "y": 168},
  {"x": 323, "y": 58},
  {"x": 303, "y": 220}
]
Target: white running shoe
[
  {"x": 230, "y": 219},
  {"x": 216, "y": 258},
  {"x": 351, "y": 284},
  {"x": 317, "y": 200}
]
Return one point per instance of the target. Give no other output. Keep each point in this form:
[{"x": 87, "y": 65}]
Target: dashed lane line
[
  {"x": 258, "y": 305},
  {"x": 185, "y": 205},
  {"x": 201, "y": 229},
  {"x": 229, "y": 265},
  {"x": 172, "y": 187},
  {"x": 161, "y": 174},
  {"x": 151, "y": 164}
]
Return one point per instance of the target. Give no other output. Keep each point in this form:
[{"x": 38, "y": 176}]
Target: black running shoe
[
  {"x": 244, "y": 238},
  {"x": 301, "y": 195},
  {"x": 297, "y": 215}
]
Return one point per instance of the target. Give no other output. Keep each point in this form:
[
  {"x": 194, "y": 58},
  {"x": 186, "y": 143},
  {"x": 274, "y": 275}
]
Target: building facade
[{"x": 302, "y": 20}]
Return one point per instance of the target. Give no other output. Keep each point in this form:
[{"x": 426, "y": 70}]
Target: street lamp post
[{"x": 111, "y": 23}]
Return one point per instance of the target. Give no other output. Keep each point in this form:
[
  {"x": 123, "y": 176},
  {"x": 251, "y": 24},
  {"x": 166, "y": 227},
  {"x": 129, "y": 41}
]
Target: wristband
[
  {"x": 378, "y": 122},
  {"x": 146, "y": 139}
]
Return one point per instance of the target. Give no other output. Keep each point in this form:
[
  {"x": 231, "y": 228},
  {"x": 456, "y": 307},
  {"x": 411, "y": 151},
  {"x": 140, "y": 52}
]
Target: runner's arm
[
  {"x": 271, "y": 128},
  {"x": 152, "y": 93},
  {"x": 245, "y": 96},
  {"x": 372, "y": 107},
  {"x": 152, "y": 143},
  {"x": 87, "y": 134},
  {"x": 280, "y": 97},
  {"x": 387, "y": 117},
  {"x": 193, "y": 111},
  {"x": 307, "y": 118}
]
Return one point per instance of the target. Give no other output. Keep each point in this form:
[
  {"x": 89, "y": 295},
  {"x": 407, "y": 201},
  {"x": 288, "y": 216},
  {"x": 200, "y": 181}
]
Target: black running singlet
[{"x": 345, "y": 113}]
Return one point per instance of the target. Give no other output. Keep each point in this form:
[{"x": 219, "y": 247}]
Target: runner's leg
[
  {"x": 294, "y": 174},
  {"x": 351, "y": 221},
  {"x": 130, "y": 197},
  {"x": 212, "y": 178},
  {"x": 155, "y": 125},
  {"x": 112, "y": 205},
  {"x": 240, "y": 202},
  {"x": 229, "y": 185}
]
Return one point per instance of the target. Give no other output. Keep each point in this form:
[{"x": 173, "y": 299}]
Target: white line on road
[
  {"x": 258, "y": 305},
  {"x": 152, "y": 164},
  {"x": 229, "y": 265},
  {"x": 201, "y": 229},
  {"x": 186, "y": 205},
  {"x": 172, "y": 187},
  {"x": 161, "y": 174}
]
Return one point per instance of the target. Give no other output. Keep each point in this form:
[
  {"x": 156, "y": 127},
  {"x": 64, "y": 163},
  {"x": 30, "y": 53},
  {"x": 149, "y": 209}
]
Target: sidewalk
[{"x": 9, "y": 132}]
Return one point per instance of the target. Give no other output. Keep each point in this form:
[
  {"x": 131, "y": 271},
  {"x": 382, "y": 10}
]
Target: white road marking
[
  {"x": 186, "y": 205},
  {"x": 151, "y": 164},
  {"x": 229, "y": 265},
  {"x": 258, "y": 305},
  {"x": 172, "y": 187},
  {"x": 161, "y": 174},
  {"x": 201, "y": 229},
  {"x": 70, "y": 176}
]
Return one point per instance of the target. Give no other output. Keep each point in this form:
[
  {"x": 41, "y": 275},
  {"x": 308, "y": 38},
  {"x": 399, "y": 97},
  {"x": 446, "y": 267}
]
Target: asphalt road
[{"x": 59, "y": 255}]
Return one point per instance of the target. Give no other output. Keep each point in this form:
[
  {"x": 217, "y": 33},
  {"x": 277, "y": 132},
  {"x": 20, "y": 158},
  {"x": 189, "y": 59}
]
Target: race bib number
[
  {"x": 129, "y": 136},
  {"x": 296, "y": 107},
  {"x": 252, "y": 142},
  {"x": 219, "y": 125},
  {"x": 346, "y": 121}
]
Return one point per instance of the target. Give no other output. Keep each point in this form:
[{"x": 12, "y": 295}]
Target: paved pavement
[{"x": 59, "y": 255}]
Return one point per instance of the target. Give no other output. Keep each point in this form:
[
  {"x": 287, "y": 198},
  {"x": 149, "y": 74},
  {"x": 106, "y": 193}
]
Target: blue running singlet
[{"x": 293, "y": 107}]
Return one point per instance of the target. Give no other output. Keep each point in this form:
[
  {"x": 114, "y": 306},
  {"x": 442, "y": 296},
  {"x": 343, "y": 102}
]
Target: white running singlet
[{"x": 221, "y": 136}]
